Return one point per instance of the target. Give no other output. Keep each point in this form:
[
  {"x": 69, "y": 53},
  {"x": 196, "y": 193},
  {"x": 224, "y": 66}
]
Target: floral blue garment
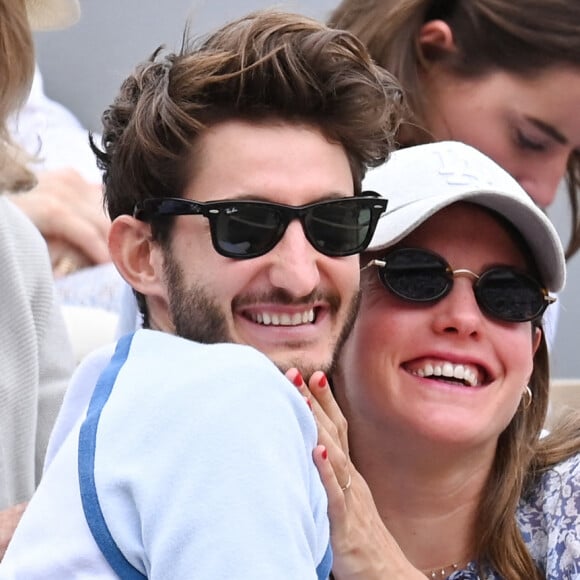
[{"x": 549, "y": 519}]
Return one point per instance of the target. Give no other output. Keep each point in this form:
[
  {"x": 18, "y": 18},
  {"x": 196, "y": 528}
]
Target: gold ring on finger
[{"x": 347, "y": 484}]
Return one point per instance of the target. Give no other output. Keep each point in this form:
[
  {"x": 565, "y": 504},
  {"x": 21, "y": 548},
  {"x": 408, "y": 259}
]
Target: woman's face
[
  {"x": 393, "y": 341},
  {"x": 529, "y": 126}
]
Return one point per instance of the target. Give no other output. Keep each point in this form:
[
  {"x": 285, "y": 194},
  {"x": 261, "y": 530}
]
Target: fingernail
[
  {"x": 298, "y": 380},
  {"x": 308, "y": 402},
  {"x": 322, "y": 382},
  {"x": 324, "y": 453}
]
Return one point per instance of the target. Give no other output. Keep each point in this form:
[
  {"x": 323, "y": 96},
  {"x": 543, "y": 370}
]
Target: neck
[
  {"x": 428, "y": 497},
  {"x": 159, "y": 318}
]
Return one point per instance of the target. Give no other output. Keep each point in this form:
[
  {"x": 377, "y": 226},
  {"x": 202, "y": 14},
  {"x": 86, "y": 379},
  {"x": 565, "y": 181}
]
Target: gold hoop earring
[{"x": 527, "y": 397}]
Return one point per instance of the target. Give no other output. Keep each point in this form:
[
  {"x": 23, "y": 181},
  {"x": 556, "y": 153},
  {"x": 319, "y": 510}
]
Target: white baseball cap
[
  {"x": 419, "y": 181},
  {"x": 52, "y": 14}
]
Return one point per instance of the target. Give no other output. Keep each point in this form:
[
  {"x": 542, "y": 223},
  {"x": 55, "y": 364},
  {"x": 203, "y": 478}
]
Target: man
[{"x": 232, "y": 174}]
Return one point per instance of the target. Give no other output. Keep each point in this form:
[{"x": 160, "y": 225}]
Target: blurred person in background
[{"x": 36, "y": 355}]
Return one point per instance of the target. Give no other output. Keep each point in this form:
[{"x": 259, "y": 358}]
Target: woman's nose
[{"x": 459, "y": 312}]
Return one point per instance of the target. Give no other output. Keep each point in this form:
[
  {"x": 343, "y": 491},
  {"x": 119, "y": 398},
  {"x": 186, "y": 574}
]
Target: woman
[
  {"x": 502, "y": 76},
  {"x": 444, "y": 384},
  {"x": 36, "y": 357}
]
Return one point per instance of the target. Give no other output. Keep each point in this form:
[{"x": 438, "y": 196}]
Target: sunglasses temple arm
[{"x": 379, "y": 263}]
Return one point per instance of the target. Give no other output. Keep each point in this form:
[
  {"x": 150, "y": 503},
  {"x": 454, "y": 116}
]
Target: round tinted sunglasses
[
  {"x": 248, "y": 229},
  {"x": 418, "y": 275}
]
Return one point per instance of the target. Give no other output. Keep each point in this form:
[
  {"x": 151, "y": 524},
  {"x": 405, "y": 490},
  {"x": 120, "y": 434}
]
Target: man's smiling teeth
[
  {"x": 449, "y": 370},
  {"x": 283, "y": 319}
]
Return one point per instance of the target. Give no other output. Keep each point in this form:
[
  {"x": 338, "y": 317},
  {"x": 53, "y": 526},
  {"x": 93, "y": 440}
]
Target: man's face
[{"x": 293, "y": 303}]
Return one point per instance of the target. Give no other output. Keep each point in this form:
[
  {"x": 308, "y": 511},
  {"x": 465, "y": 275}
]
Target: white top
[
  {"x": 48, "y": 130},
  {"x": 195, "y": 462}
]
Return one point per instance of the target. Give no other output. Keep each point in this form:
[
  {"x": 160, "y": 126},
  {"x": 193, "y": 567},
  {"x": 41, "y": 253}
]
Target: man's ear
[
  {"x": 137, "y": 256},
  {"x": 436, "y": 40}
]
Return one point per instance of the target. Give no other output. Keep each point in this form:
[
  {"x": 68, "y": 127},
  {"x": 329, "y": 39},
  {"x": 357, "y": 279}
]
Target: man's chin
[{"x": 306, "y": 364}]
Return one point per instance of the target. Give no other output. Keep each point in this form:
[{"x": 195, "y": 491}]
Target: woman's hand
[
  {"x": 363, "y": 548},
  {"x": 69, "y": 214}
]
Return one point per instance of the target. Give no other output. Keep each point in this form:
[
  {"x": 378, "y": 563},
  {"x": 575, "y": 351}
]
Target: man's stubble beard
[{"x": 197, "y": 316}]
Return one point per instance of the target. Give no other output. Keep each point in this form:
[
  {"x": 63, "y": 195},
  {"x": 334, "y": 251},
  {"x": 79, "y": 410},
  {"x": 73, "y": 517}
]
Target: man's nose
[{"x": 295, "y": 262}]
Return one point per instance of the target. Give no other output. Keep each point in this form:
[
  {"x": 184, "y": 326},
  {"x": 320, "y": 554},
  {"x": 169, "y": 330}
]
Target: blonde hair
[
  {"x": 16, "y": 72},
  {"x": 520, "y": 37}
]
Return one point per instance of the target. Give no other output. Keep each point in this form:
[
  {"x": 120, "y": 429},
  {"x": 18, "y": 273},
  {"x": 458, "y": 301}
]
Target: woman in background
[
  {"x": 36, "y": 357},
  {"x": 499, "y": 75}
]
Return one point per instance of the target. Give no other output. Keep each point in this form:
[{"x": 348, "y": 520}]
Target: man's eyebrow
[{"x": 548, "y": 130}]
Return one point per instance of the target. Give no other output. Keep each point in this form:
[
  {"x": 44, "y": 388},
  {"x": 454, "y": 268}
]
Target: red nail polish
[
  {"x": 308, "y": 402},
  {"x": 324, "y": 454},
  {"x": 298, "y": 380},
  {"x": 322, "y": 382}
]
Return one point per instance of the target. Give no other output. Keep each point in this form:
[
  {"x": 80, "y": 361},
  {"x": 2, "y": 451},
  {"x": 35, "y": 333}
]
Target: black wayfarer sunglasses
[
  {"x": 418, "y": 275},
  {"x": 247, "y": 229}
]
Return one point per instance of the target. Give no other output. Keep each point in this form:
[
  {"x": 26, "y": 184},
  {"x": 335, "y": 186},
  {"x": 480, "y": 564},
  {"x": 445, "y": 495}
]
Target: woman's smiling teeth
[
  {"x": 284, "y": 319},
  {"x": 465, "y": 373}
]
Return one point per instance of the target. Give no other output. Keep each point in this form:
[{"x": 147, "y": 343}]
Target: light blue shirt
[{"x": 194, "y": 461}]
